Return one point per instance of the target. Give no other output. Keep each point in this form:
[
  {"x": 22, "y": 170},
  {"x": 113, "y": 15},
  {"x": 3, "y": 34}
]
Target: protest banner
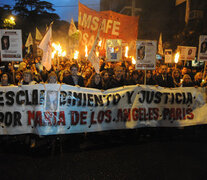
[
  {"x": 113, "y": 26},
  {"x": 11, "y": 45},
  {"x": 113, "y": 50},
  {"x": 202, "y": 52},
  {"x": 62, "y": 109},
  {"x": 187, "y": 53},
  {"x": 168, "y": 56},
  {"x": 146, "y": 54}
]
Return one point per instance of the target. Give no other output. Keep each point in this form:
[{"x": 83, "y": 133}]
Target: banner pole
[{"x": 13, "y": 72}]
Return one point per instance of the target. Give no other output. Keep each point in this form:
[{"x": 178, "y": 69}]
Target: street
[{"x": 181, "y": 156}]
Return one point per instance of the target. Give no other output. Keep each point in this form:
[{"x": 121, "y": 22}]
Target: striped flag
[
  {"x": 187, "y": 9},
  {"x": 38, "y": 35}
]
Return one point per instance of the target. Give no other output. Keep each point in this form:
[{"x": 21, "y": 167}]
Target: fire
[
  {"x": 177, "y": 55},
  {"x": 133, "y": 60},
  {"x": 76, "y": 54},
  {"x": 86, "y": 51},
  {"x": 99, "y": 43},
  {"x": 126, "y": 51},
  {"x": 58, "y": 50}
]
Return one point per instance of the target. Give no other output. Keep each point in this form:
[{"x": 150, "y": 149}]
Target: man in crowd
[{"x": 164, "y": 79}]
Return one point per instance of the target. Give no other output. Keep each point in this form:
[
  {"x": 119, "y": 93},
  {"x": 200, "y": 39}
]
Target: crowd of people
[{"x": 112, "y": 74}]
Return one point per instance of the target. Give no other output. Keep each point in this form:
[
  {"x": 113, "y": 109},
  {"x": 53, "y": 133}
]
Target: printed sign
[
  {"x": 11, "y": 45},
  {"x": 113, "y": 49},
  {"x": 146, "y": 54},
  {"x": 168, "y": 56},
  {"x": 187, "y": 53},
  {"x": 202, "y": 52}
]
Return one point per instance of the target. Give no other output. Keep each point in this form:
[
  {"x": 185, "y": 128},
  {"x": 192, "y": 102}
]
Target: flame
[
  {"x": 63, "y": 54},
  {"x": 177, "y": 55},
  {"x": 133, "y": 60},
  {"x": 126, "y": 51},
  {"x": 76, "y": 54},
  {"x": 58, "y": 50},
  {"x": 99, "y": 43},
  {"x": 86, "y": 51},
  {"x": 97, "y": 53}
]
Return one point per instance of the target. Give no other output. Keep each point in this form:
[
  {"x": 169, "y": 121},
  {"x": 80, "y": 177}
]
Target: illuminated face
[
  {"x": 106, "y": 76},
  {"x": 27, "y": 77},
  {"x": 176, "y": 74},
  {"x": 52, "y": 79},
  {"x": 164, "y": 69},
  {"x": 97, "y": 79},
  {"x": 4, "y": 79},
  {"x": 74, "y": 71},
  {"x": 187, "y": 79},
  {"x": 148, "y": 75},
  {"x": 118, "y": 72}
]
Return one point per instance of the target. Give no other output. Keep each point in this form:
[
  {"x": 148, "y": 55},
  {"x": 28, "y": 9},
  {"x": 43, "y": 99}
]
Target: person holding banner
[
  {"x": 117, "y": 80},
  {"x": 5, "y": 79},
  {"x": 176, "y": 75},
  {"x": 198, "y": 79},
  {"x": 74, "y": 79},
  {"x": 164, "y": 79},
  {"x": 187, "y": 81},
  {"x": 27, "y": 78}
]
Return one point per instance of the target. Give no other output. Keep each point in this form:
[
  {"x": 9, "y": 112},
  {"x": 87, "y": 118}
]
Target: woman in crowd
[
  {"x": 198, "y": 79},
  {"x": 27, "y": 78},
  {"x": 5, "y": 80},
  {"x": 149, "y": 78},
  {"x": 187, "y": 81},
  {"x": 52, "y": 78},
  {"x": 105, "y": 79},
  {"x": 95, "y": 82},
  {"x": 176, "y": 75}
]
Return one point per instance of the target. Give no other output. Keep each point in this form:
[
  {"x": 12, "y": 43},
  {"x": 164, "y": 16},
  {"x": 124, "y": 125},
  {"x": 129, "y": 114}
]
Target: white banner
[
  {"x": 11, "y": 45},
  {"x": 202, "y": 52},
  {"x": 168, "y": 56},
  {"x": 146, "y": 54},
  {"x": 113, "y": 50},
  {"x": 63, "y": 109},
  {"x": 187, "y": 53}
]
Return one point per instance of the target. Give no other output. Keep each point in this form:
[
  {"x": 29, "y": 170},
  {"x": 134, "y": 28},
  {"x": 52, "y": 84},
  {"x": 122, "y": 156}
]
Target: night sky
[{"x": 66, "y": 9}]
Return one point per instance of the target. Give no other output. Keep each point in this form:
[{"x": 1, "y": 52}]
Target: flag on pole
[
  {"x": 29, "y": 42},
  {"x": 92, "y": 57},
  {"x": 45, "y": 45},
  {"x": 160, "y": 47},
  {"x": 72, "y": 28},
  {"x": 38, "y": 35},
  {"x": 187, "y": 9}
]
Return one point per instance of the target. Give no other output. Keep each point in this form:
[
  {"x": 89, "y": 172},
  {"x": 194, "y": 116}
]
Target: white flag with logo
[{"x": 45, "y": 45}]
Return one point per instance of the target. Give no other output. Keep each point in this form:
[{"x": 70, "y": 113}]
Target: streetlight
[{"x": 9, "y": 22}]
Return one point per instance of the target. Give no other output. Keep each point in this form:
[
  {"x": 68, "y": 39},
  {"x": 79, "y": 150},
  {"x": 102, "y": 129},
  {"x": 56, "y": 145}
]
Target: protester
[
  {"x": 5, "y": 80},
  {"x": 95, "y": 82},
  {"x": 27, "y": 78},
  {"x": 117, "y": 80},
  {"x": 198, "y": 79},
  {"x": 164, "y": 79},
  {"x": 105, "y": 79},
  {"x": 187, "y": 81},
  {"x": 176, "y": 75},
  {"x": 74, "y": 79},
  {"x": 149, "y": 78},
  {"x": 52, "y": 78}
]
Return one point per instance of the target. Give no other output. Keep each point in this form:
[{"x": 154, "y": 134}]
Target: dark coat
[
  {"x": 69, "y": 80},
  {"x": 168, "y": 82}
]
